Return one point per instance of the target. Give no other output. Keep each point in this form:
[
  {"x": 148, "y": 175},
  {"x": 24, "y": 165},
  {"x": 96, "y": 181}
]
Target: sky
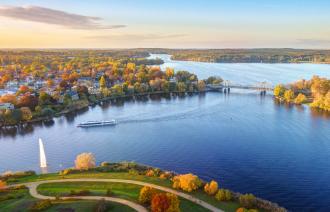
[{"x": 165, "y": 24}]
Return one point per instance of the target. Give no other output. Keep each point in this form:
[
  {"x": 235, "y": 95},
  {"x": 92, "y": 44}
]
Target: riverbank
[
  {"x": 97, "y": 181},
  {"x": 78, "y": 107}
]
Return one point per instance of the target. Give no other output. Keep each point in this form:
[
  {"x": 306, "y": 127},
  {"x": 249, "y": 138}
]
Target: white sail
[{"x": 43, "y": 161}]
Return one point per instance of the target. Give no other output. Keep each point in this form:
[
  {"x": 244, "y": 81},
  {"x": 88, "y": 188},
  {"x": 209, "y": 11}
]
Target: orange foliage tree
[
  {"x": 211, "y": 188},
  {"x": 2, "y": 184},
  {"x": 160, "y": 203},
  {"x": 85, "y": 161}
]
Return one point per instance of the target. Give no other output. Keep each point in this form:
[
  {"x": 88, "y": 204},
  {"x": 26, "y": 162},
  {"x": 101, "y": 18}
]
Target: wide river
[{"x": 246, "y": 142}]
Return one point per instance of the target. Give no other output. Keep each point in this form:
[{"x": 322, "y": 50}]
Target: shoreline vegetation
[
  {"x": 38, "y": 85},
  {"x": 266, "y": 55},
  {"x": 85, "y": 167},
  {"x": 314, "y": 92}
]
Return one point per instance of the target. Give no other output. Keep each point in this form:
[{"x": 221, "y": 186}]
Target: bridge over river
[{"x": 227, "y": 85}]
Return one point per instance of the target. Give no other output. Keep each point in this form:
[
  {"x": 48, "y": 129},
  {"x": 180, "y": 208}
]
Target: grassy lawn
[
  {"x": 120, "y": 190},
  {"x": 227, "y": 206},
  {"x": 86, "y": 206},
  {"x": 21, "y": 200}
]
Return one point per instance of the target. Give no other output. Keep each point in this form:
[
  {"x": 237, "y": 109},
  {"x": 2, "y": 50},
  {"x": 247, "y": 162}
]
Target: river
[{"x": 246, "y": 142}]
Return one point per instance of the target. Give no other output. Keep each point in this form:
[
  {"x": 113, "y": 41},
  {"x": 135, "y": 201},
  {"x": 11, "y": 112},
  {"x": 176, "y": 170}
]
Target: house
[
  {"x": 6, "y": 106},
  {"x": 74, "y": 95},
  {"x": 94, "y": 91}
]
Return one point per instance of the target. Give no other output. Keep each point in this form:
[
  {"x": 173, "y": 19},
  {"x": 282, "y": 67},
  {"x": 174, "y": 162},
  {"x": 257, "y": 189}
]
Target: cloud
[
  {"x": 57, "y": 17},
  {"x": 136, "y": 36}
]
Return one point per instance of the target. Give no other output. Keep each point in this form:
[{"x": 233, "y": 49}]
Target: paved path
[{"x": 33, "y": 191}]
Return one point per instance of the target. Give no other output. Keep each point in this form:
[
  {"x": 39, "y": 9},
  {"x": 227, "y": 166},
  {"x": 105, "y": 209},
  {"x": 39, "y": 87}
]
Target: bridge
[{"x": 227, "y": 85}]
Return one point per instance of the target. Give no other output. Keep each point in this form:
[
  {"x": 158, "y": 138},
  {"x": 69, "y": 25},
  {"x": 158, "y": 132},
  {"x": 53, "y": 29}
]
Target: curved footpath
[{"x": 33, "y": 191}]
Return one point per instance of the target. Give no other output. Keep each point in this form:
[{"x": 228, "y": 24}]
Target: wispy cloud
[
  {"x": 136, "y": 36},
  {"x": 57, "y": 17}
]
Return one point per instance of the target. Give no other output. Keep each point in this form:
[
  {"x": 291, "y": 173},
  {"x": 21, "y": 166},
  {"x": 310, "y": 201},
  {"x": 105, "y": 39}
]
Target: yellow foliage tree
[
  {"x": 102, "y": 82},
  {"x": 211, "y": 188},
  {"x": 289, "y": 95},
  {"x": 85, "y": 161},
  {"x": 187, "y": 182},
  {"x": 26, "y": 113},
  {"x": 300, "y": 99},
  {"x": 174, "y": 203},
  {"x": 146, "y": 194}
]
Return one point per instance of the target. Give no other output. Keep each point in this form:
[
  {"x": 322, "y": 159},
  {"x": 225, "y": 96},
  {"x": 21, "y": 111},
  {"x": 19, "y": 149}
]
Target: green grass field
[
  {"x": 226, "y": 206},
  {"x": 126, "y": 191},
  {"x": 120, "y": 190}
]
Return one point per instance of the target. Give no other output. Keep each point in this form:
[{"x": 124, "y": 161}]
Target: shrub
[
  {"x": 246, "y": 210},
  {"x": 67, "y": 171},
  {"x": 146, "y": 194},
  {"x": 150, "y": 173},
  {"x": 165, "y": 175},
  {"x": 211, "y": 188},
  {"x": 247, "y": 200},
  {"x": 85, "y": 161},
  {"x": 223, "y": 195},
  {"x": 133, "y": 172},
  {"x": 18, "y": 174},
  {"x": 187, "y": 182},
  {"x": 105, "y": 163},
  {"x": 41, "y": 205}
]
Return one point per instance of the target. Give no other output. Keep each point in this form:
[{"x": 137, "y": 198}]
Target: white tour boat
[{"x": 97, "y": 123}]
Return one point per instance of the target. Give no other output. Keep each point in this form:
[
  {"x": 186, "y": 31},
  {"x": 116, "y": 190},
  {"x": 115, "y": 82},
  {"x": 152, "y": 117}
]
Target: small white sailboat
[{"x": 43, "y": 161}]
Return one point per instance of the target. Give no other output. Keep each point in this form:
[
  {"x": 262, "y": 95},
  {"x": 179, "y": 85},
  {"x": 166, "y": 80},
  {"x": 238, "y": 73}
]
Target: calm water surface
[{"x": 247, "y": 143}]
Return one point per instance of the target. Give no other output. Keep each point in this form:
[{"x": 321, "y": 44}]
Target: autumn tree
[
  {"x": 223, "y": 195},
  {"x": 174, "y": 203},
  {"x": 2, "y": 184},
  {"x": 201, "y": 85},
  {"x": 211, "y": 188},
  {"x": 169, "y": 73},
  {"x": 9, "y": 98},
  {"x": 85, "y": 161},
  {"x": 146, "y": 194},
  {"x": 181, "y": 87},
  {"x": 247, "y": 200},
  {"x": 28, "y": 100},
  {"x": 300, "y": 99},
  {"x": 102, "y": 82},
  {"x": 26, "y": 113},
  {"x": 279, "y": 90},
  {"x": 289, "y": 95},
  {"x": 187, "y": 182},
  {"x": 160, "y": 203}
]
